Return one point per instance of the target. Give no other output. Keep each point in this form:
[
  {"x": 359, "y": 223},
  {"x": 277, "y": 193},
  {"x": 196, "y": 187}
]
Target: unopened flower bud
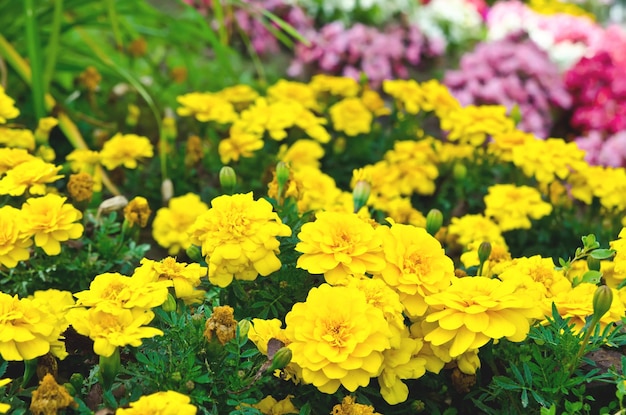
[
  {"x": 602, "y": 299},
  {"x": 484, "y": 250},
  {"x": 70, "y": 388},
  {"x": 516, "y": 114},
  {"x": 109, "y": 368},
  {"x": 360, "y": 194},
  {"x": 434, "y": 220},
  {"x": 195, "y": 253},
  {"x": 228, "y": 179},
  {"x": 593, "y": 263},
  {"x": 281, "y": 358},
  {"x": 244, "y": 328},
  {"x": 418, "y": 406},
  {"x": 167, "y": 190},
  {"x": 169, "y": 304},
  {"x": 132, "y": 117},
  {"x": 77, "y": 381},
  {"x": 176, "y": 377},
  {"x": 169, "y": 128},
  {"x": 459, "y": 171}
]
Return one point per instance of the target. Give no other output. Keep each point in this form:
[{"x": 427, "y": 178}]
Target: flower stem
[{"x": 34, "y": 54}]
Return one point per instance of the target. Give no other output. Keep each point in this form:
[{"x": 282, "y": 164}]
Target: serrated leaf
[{"x": 505, "y": 383}]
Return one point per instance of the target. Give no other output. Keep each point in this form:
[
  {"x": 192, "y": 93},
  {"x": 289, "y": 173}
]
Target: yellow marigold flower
[
  {"x": 57, "y": 303},
  {"x": 240, "y": 143},
  {"x": 31, "y": 175},
  {"x": 400, "y": 210},
  {"x": 499, "y": 255},
  {"x": 238, "y": 238},
  {"x": 205, "y": 107},
  {"x": 547, "y": 160},
  {"x": 26, "y": 329},
  {"x": 185, "y": 277},
  {"x": 302, "y": 152},
  {"x": 502, "y": 145},
  {"x": 17, "y": 138},
  {"x": 416, "y": 265},
  {"x": 559, "y": 7},
  {"x": 51, "y": 221},
  {"x": 337, "y": 338},
  {"x": 83, "y": 160},
  {"x": 335, "y": 85},
  {"x": 110, "y": 330},
  {"x": 318, "y": 191},
  {"x": 472, "y": 311},
  {"x": 270, "y": 406},
  {"x": 438, "y": 98},
  {"x": 160, "y": 403},
  {"x": 540, "y": 270},
  {"x": 194, "y": 150},
  {"x": 415, "y": 165},
  {"x": 222, "y": 324},
  {"x": 351, "y": 116},
  {"x": 339, "y": 245},
  {"x": 44, "y": 127},
  {"x": 113, "y": 292},
  {"x": 50, "y": 397},
  {"x": 90, "y": 78},
  {"x": 239, "y": 95},
  {"x": 80, "y": 186},
  {"x": 408, "y": 94},
  {"x": 299, "y": 92},
  {"x": 275, "y": 118},
  {"x": 262, "y": 331},
  {"x": 348, "y": 406},
  {"x": 137, "y": 212},
  {"x": 312, "y": 125},
  {"x": 14, "y": 243},
  {"x": 513, "y": 206},
  {"x": 11, "y": 157},
  {"x": 608, "y": 184},
  {"x": 577, "y": 304},
  {"x": 472, "y": 124},
  {"x": 125, "y": 150},
  {"x": 469, "y": 229},
  {"x": 620, "y": 257},
  {"x": 7, "y": 107},
  {"x": 171, "y": 223},
  {"x": 374, "y": 102},
  {"x": 401, "y": 362}
]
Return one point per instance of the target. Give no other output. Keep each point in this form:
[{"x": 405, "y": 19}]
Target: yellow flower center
[
  {"x": 336, "y": 333},
  {"x": 414, "y": 264}
]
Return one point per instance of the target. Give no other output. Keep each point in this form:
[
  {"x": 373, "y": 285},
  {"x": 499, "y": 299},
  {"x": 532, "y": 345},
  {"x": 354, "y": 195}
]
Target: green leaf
[
  {"x": 602, "y": 253},
  {"x": 592, "y": 277},
  {"x": 506, "y": 383},
  {"x": 306, "y": 409},
  {"x": 524, "y": 398}
]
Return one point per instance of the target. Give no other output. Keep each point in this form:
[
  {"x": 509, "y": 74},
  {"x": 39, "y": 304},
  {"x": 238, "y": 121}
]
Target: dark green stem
[{"x": 34, "y": 54}]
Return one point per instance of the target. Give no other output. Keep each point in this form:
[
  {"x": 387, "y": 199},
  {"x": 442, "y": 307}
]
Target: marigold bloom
[
  {"x": 111, "y": 330},
  {"x": 238, "y": 144},
  {"x": 26, "y": 330},
  {"x": 51, "y": 221},
  {"x": 547, "y": 160},
  {"x": 7, "y": 107},
  {"x": 239, "y": 95},
  {"x": 222, "y": 324},
  {"x": 270, "y": 406},
  {"x": 14, "y": 243},
  {"x": 125, "y": 150},
  {"x": 513, "y": 206},
  {"x": 408, "y": 94},
  {"x": 262, "y": 331},
  {"x": 50, "y": 397},
  {"x": 351, "y": 116},
  {"x": 316, "y": 190},
  {"x": 302, "y": 152},
  {"x": 335, "y": 85},
  {"x": 502, "y": 145},
  {"x": 339, "y": 245},
  {"x": 374, "y": 102},
  {"x": 160, "y": 403},
  {"x": 44, "y": 126},
  {"x": 472, "y": 311},
  {"x": 17, "y": 138},
  {"x": 469, "y": 229},
  {"x": 577, "y": 304},
  {"x": 414, "y": 163},
  {"x": 620, "y": 247},
  {"x": 11, "y": 157},
  {"x": 348, "y": 406},
  {"x": 238, "y": 238},
  {"x": 137, "y": 212},
  {"x": 31, "y": 175},
  {"x": 90, "y": 78},
  {"x": 4, "y": 407},
  {"x": 80, "y": 186},
  {"x": 472, "y": 124},
  {"x": 171, "y": 223},
  {"x": 56, "y": 303},
  {"x": 416, "y": 265},
  {"x": 205, "y": 107},
  {"x": 438, "y": 98},
  {"x": 185, "y": 277},
  {"x": 337, "y": 338},
  {"x": 285, "y": 90}
]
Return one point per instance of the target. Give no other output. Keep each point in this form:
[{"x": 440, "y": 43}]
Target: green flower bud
[
  {"x": 132, "y": 117},
  {"x": 228, "y": 179},
  {"x": 282, "y": 174},
  {"x": 244, "y": 327},
  {"x": 516, "y": 114},
  {"x": 77, "y": 381},
  {"x": 593, "y": 263},
  {"x": 361, "y": 194},
  {"x": 176, "y": 377},
  {"x": 169, "y": 128},
  {"x": 459, "y": 171},
  {"x": 434, "y": 220},
  {"x": 195, "y": 253},
  {"x": 70, "y": 388},
  {"x": 602, "y": 299},
  {"x": 169, "y": 304},
  {"x": 281, "y": 358},
  {"x": 484, "y": 250},
  {"x": 418, "y": 406}
]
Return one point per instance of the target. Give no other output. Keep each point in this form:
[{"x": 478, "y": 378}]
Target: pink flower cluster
[
  {"x": 598, "y": 88},
  {"x": 610, "y": 152},
  {"x": 360, "y": 49},
  {"x": 511, "y": 71}
]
